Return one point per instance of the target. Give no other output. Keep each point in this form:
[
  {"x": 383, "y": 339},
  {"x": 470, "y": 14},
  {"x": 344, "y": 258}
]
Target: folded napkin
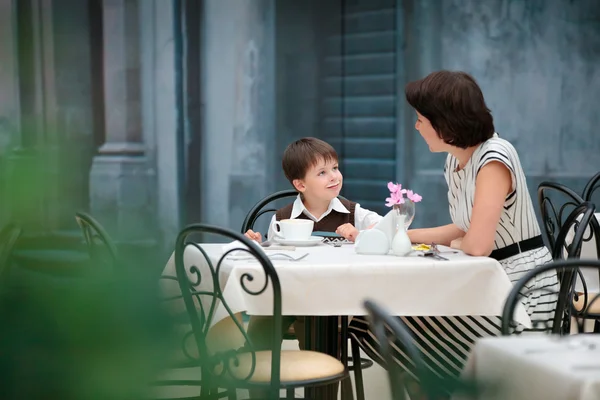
[
  {"x": 274, "y": 255},
  {"x": 387, "y": 225},
  {"x": 239, "y": 245}
]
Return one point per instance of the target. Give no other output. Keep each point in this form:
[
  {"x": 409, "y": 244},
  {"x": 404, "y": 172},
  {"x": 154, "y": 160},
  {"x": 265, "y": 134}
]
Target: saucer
[{"x": 313, "y": 240}]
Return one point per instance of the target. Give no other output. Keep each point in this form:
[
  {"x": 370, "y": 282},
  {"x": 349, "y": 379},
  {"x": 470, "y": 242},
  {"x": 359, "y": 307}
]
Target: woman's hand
[
  {"x": 348, "y": 231},
  {"x": 253, "y": 235},
  {"x": 456, "y": 243}
]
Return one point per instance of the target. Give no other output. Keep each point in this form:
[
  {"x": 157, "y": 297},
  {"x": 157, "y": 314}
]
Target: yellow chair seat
[{"x": 296, "y": 366}]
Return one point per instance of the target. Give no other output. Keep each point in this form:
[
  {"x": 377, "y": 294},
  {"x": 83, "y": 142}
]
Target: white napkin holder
[
  {"x": 373, "y": 242},
  {"x": 387, "y": 225}
]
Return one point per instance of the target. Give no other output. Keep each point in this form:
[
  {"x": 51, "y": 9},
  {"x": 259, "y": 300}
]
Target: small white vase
[{"x": 401, "y": 244}]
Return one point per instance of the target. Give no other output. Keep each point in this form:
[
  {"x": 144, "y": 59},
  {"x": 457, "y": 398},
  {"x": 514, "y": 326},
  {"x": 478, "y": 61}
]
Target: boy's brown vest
[{"x": 328, "y": 224}]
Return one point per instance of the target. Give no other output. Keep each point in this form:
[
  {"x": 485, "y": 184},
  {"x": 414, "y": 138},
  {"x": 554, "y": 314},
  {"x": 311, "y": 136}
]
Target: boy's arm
[{"x": 365, "y": 219}]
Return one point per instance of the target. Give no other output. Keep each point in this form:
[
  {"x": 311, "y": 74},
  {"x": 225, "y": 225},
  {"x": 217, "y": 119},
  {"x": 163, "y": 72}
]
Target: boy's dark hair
[
  {"x": 454, "y": 104},
  {"x": 302, "y": 154}
]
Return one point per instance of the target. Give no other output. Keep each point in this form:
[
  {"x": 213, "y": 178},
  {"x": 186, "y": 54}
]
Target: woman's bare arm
[
  {"x": 492, "y": 185},
  {"x": 439, "y": 235}
]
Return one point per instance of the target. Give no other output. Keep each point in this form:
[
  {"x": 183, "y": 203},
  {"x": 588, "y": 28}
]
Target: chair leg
[
  {"x": 356, "y": 364},
  {"x": 231, "y": 394},
  {"x": 347, "y": 389},
  {"x": 290, "y": 393}
]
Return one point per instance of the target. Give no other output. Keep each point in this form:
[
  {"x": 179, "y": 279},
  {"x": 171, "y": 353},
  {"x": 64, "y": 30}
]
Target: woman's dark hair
[{"x": 454, "y": 104}]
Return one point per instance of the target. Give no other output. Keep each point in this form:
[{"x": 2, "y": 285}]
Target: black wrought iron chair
[
  {"x": 101, "y": 247},
  {"x": 564, "y": 293},
  {"x": 556, "y": 201},
  {"x": 265, "y": 206},
  {"x": 227, "y": 359},
  {"x": 9, "y": 235},
  {"x": 591, "y": 187},
  {"x": 579, "y": 227},
  {"x": 579, "y": 222},
  {"x": 389, "y": 329},
  {"x": 566, "y": 306}
]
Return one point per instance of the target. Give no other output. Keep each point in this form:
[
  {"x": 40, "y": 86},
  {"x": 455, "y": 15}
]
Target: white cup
[{"x": 293, "y": 229}]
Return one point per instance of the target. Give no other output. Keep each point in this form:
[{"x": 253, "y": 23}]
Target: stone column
[
  {"x": 32, "y": 164},
  {"x": 120, "y": 179},
  {"x": 239, "y": 99}
]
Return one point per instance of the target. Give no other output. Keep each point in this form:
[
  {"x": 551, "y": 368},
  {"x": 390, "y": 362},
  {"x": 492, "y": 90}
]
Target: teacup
[{"x": 293, "y": 229}]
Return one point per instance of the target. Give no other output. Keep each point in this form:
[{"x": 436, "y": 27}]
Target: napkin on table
[
  {"x": 239, "y": 245},
  {"x": 243, "y": 255},
  {"x": 387, "y": 225}
]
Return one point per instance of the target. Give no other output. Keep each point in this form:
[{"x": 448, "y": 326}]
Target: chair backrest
[
  {"x": 389, "y": 329},
  {"x": 591, "y": 187},
  {"x": 9, "y": 235},
  {"x": 556, "y": 201},
  {"x": 572, "y": 234},
  {"x": 198, "y": 276},
  {"x": 99, "y": 243},
  {"x": 565, "y": 294},
  {"x": 259, "y": 208}
]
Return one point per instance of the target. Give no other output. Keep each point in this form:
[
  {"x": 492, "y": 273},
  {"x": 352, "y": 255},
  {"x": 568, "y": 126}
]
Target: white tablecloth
[
  {"x": 588, "y": 250},
  {"x": 537, "y": 367},
  {"x": 336, "y": 281}
]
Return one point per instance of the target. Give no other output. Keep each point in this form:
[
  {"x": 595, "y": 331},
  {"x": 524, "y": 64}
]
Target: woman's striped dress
[{"x": 445, "y": 341}]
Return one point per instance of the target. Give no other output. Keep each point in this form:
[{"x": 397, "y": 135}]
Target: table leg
[{"x": 325, "y": 337}]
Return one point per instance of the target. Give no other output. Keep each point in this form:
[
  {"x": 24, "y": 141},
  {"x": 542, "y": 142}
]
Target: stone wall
[{"x": 537, "y": 63}]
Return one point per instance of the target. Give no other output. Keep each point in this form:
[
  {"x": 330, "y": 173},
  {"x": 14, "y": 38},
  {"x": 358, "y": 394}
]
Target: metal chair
[
  {"x": 591, "y": 187},
  {"x": 259, "y": 208},
  {"x": 553, "y": 220},
  {"x": 389, "y": 329},
  {"x": 566, "y": 305},
  {"x": 227, "y": 359},
  {"x": 9, "y": 235},
  {"x": 564, "y": 295},
  {"x": 580, "y": 220},
  {"x": 265, "y": 206},
  {"x": 101, "y": 247}
]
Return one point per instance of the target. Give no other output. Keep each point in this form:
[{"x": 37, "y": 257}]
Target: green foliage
[{"x": 81, "y": 338}]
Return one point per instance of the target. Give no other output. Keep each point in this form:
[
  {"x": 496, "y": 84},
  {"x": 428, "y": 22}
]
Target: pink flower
[
  {"x": 394, "y": 187},
  {"x": 397, "y": 195},
  {"x": 413, "y": 196},
  {"x": 395, "y": 198}
]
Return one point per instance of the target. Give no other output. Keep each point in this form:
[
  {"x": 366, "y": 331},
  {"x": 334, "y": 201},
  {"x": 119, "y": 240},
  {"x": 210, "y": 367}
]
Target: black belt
[{"x": 516, "y": 248}]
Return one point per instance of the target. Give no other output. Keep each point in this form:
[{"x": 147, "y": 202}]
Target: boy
[{"x": 311, "y": 166}]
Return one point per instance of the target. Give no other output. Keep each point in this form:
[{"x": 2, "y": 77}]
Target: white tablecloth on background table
[
  {"x": 588, "y": 251},
  {"x": 336, "y": 281},
  {"x": 537, "y": 367}
]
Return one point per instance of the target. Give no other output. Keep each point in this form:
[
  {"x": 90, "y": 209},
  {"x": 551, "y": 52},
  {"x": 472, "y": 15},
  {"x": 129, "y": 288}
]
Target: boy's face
[{"x": 322, "y": 182}]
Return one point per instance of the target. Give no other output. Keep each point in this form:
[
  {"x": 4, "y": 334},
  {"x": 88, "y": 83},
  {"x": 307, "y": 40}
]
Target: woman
[{"x": 490, "y": 208}]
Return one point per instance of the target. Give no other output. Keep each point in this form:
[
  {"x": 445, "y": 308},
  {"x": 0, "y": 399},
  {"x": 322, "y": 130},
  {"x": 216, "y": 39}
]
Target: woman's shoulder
[
  {"x": 497, "y": 144},
  {"x": 496, "y": 147}
]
